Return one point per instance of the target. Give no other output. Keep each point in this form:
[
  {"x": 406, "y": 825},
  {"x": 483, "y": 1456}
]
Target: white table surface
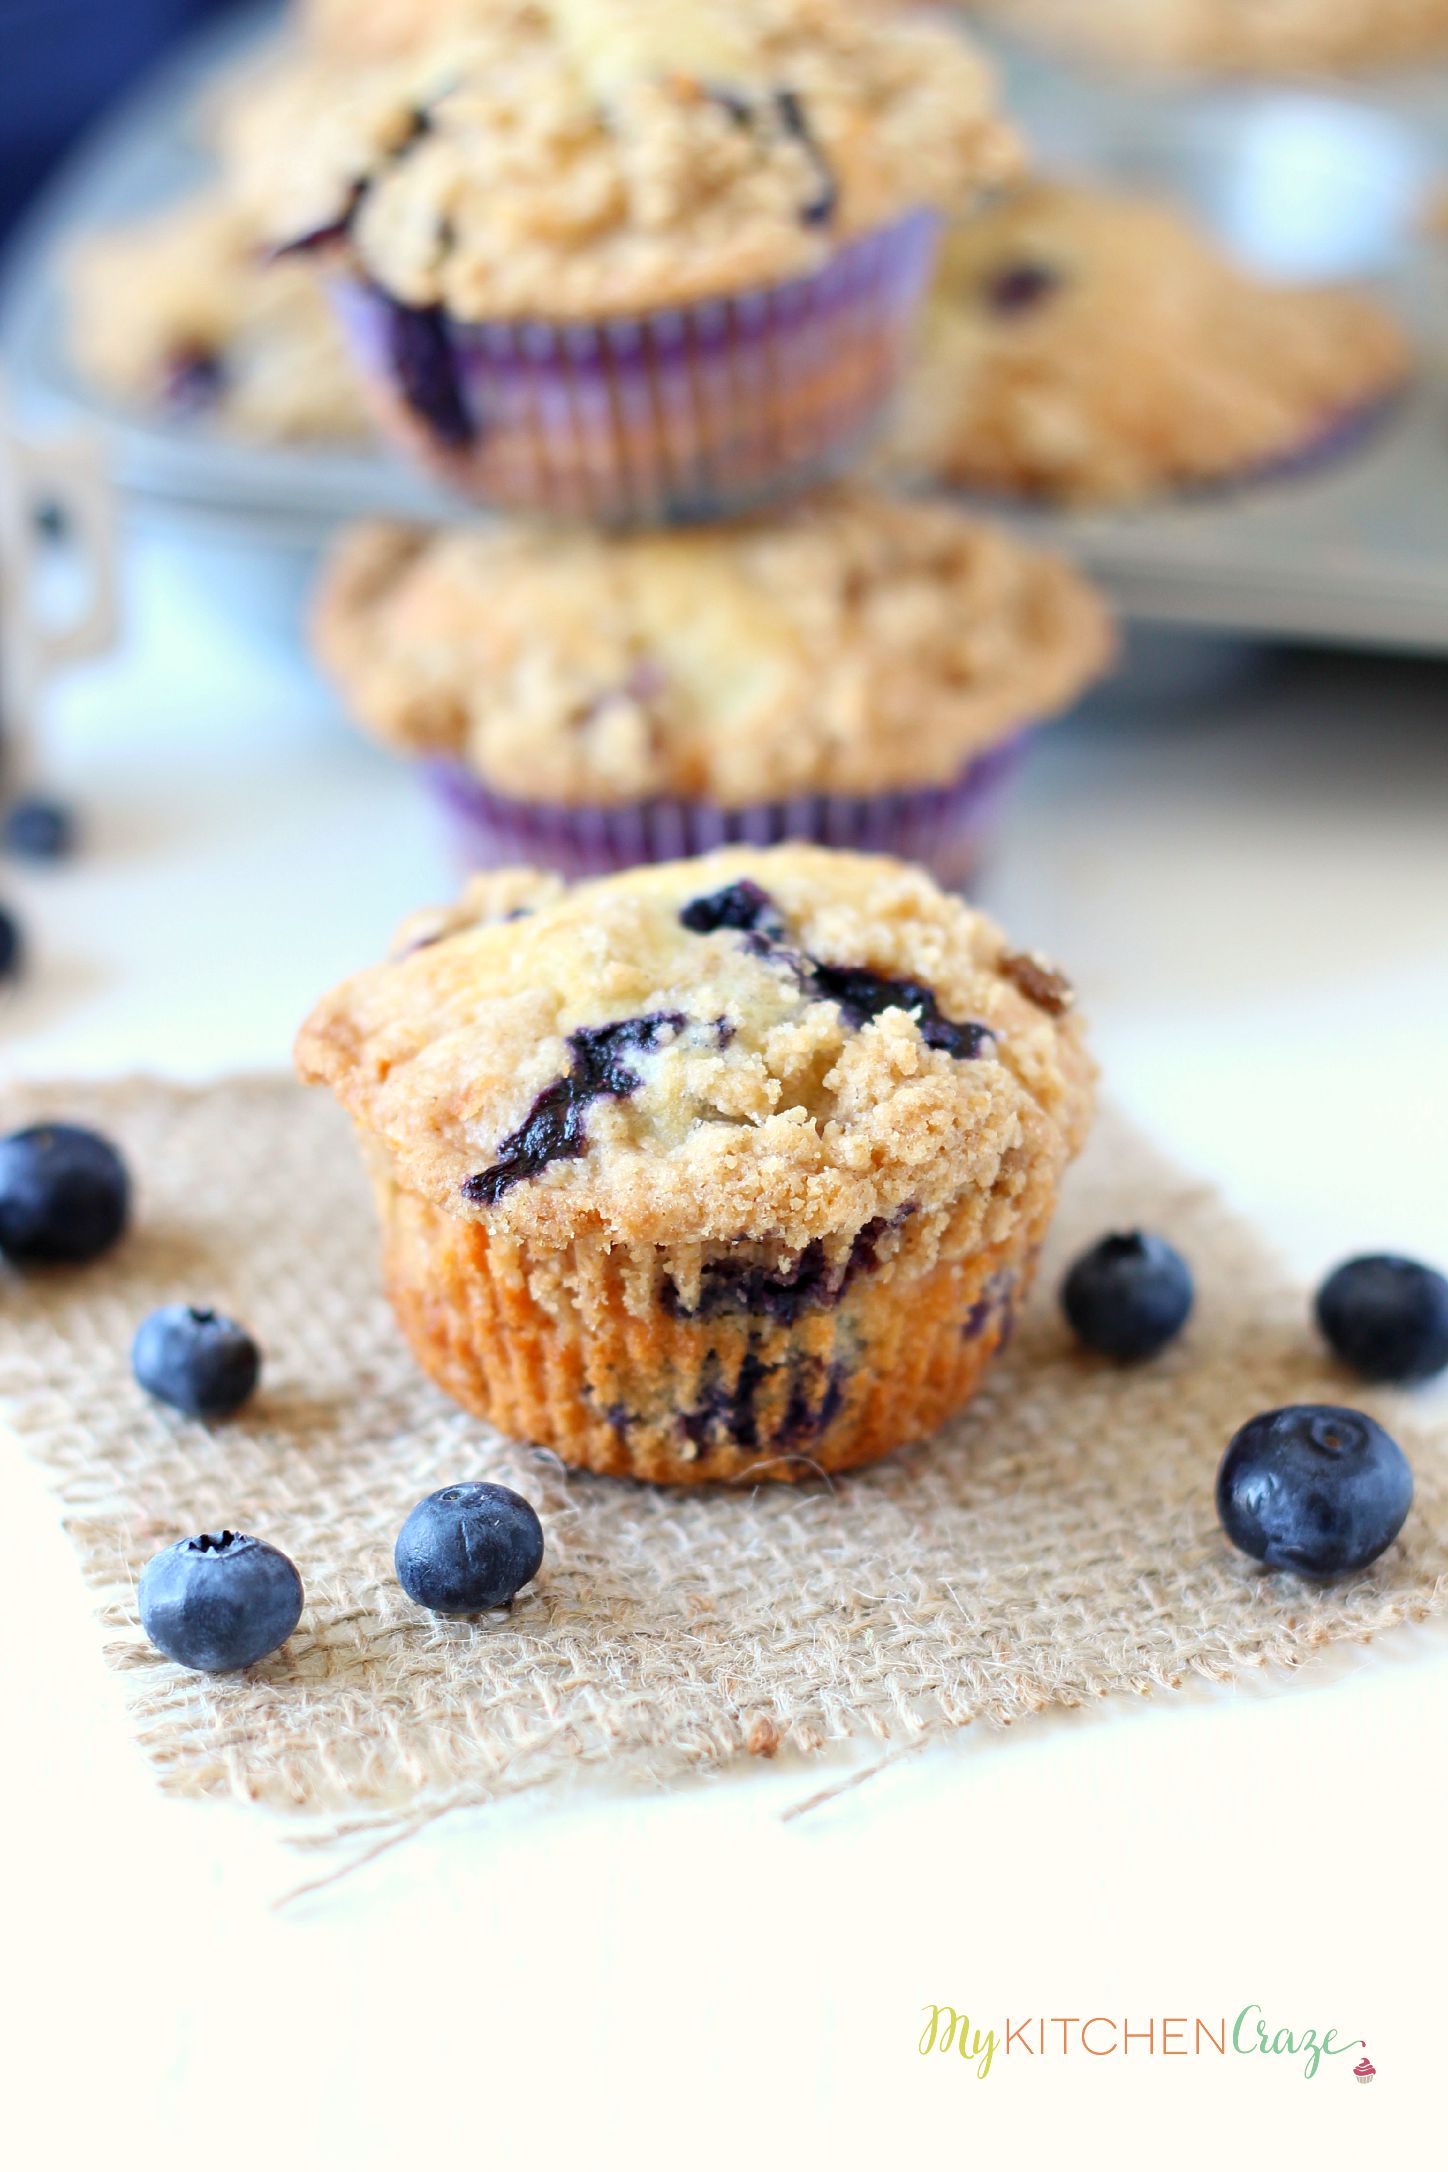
[{"x": 1249, "y": 881}]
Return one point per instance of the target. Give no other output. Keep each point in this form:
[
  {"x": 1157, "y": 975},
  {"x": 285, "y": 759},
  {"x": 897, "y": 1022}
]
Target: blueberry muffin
[
  {"x": 728, "y": 1169},
  {"x": 628, "y": 260},
  {"x": 859, "y": 670},
  {"x": 1087, "y": 346},
  {"x": 1238, "y": 37},
  {"x": 180, "y": 316}
]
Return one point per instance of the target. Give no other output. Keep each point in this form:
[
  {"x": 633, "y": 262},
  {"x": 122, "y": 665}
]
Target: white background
[{"x": 1241, "y": 859}]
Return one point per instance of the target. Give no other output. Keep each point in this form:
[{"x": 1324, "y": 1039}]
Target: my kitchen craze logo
[{"x": 1104, "y": 2036}]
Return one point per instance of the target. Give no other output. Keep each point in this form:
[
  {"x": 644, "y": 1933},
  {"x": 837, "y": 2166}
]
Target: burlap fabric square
[{"x": 1055, "y": 1544}]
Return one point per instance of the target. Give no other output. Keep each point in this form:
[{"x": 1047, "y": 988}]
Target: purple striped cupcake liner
[
  {"x": 685, "y": 414},
  {"x": 945, "y": 828},
  {"x": 1331, "y": 443},
  {"x": 1347, "y": 431}
]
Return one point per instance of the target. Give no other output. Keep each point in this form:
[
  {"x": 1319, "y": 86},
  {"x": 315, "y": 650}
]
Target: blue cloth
[{"x": 61, "y": 62}]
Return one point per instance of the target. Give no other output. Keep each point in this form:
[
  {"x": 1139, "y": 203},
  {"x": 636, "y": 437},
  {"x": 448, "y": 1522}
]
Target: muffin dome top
[
  {"x": 1086, "y": 344},
  {"x": 587, "y": 158},
  {"x": 786, "y": 1045},
  {"x": 854, "y": 643}
]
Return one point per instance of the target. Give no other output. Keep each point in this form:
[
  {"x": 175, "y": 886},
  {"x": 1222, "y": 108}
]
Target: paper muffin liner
[
  {"x": 684, "y": 414},
  {"x": 945, "y": 828},
  {"x": 1345, "y": 432},
  {"x": 580, "y": 1351}
]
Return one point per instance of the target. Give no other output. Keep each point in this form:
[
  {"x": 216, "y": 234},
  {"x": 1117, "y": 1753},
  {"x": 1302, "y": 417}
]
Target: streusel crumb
[
  {"x": 578, "y": 158},
  {"x": 854, "y": 643}
]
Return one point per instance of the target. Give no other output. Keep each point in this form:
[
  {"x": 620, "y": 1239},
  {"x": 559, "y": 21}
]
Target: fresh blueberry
[
  {"x": 195, "y": 1358},
  {"x": 1386, "y": 1317},
  {"x": 468, "y": 1548},
  {"x": 12, "y": 947},
  {"x": 1314, "y": 1488},
  {"x": 219, "y": 1601},
  {"x": 64, "y": 1194},
  {"x": 1128, "y": 1296},
  {"x": 39, "y": 829}
]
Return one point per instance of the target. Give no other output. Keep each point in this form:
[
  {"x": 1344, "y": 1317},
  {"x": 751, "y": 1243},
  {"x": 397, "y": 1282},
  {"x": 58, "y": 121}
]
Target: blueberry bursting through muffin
[{"x": 555, "y": 1128}]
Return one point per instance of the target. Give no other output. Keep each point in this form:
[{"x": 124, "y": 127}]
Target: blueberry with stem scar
[
  {"x": 1314, "y": 1487},
  {"x": 196, "y": 1360},
  {"x": 219, "y": 1601},
  {"x": 467, "y": 1548}
]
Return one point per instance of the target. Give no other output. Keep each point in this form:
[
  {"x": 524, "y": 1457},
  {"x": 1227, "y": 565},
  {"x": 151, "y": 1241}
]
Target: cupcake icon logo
[{"x": 1364, "y": 2070}]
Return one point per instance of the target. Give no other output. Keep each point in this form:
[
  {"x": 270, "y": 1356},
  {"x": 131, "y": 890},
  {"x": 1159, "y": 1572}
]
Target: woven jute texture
[{"x": 1055, "y": 1544}]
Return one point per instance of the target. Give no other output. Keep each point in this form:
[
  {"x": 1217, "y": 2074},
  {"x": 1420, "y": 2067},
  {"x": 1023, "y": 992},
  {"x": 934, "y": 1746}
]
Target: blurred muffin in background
[
  {"x": 1086, "y": 346},
  {"x": 858, "y": 671},
  {"x": 1236, "y": 37},
  {"x": 179, "y": 315},
  {"x": 630, "y": 260}
]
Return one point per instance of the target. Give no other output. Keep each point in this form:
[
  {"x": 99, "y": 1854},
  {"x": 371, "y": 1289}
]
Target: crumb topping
[
  {"x": 590, "y": 157},
  {"x": 179, "y": 312},
  {"x": 614, "y": 1066},
  {"x": 853, "y": 643}
]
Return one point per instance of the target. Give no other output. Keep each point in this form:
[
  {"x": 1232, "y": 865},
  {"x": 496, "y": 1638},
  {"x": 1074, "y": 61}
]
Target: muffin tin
[{"x": 1302, "y": 182}]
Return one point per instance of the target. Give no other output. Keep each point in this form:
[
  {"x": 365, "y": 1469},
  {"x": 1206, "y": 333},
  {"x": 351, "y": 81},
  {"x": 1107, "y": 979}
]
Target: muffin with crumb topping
[
  {"x": 1089, "y": 347},
  {"x": 627, "y": 260},
  {"x": 728, "y": 1169},
  {"x": 859, "y": 670},
  {"x": 178, "y": 316}
]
